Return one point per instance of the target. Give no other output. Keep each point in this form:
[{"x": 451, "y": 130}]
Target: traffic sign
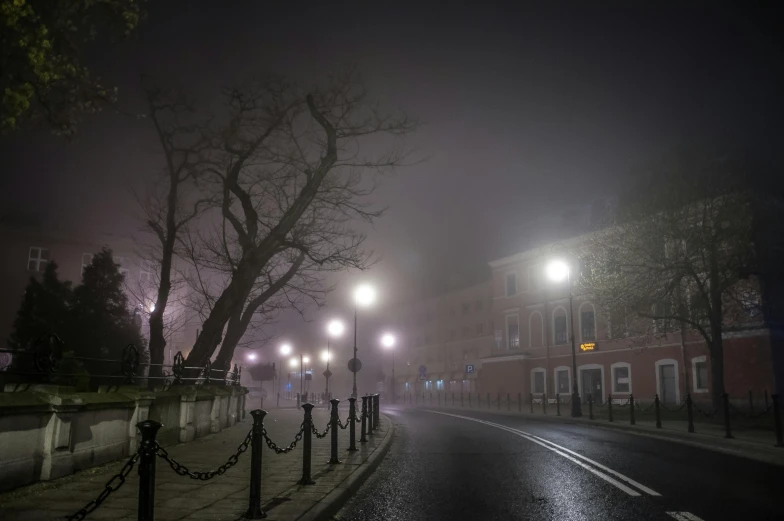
[
  {"x": 470, "y": 368},
  {"x": 327, "y": 373},
  {"x": 354, "y": 365}
]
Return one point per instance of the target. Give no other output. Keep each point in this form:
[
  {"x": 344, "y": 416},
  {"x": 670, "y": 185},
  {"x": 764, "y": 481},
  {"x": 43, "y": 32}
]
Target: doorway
[
  {"x": 667, "y": 385},
  {"x": 592, "y": 384}
]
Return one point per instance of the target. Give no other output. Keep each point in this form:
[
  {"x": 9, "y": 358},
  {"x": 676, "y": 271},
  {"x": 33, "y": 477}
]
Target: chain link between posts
[
  {"x": 117, "y": 481},
  {"x": 182, "y": 470},
  {"x": 278, "y": 450},
  {"x": 316, "y": 432},
  {"x": 751, "y": 415}
]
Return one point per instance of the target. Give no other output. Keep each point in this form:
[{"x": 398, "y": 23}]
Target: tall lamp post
[
  {"x": 285, "y": 350},
  {"x": 335, "y": 328},
  {"x": 364, "y": 295},
  {"x": 293, "y": 363},
  {"x": 557, "y": 271},
  {"x": 388, "y": 341}
]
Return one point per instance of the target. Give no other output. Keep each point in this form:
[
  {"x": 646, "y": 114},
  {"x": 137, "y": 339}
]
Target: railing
[
  {"x": 48, "y": 353},
  {"x": 149, "y": 450},
  {"x": 625, "y": 408}
]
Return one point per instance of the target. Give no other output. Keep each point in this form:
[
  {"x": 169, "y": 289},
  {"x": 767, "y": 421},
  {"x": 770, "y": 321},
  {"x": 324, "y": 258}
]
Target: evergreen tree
[{"x": 44, "y": 310}]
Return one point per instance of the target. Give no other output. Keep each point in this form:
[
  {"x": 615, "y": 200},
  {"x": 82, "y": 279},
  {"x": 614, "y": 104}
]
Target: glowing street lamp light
[
  {"x": 558, "y": 270},
  {"x": 388, "y": 341},
  {"x": 325, "y": 356},
  {"x": 335, "y": 328},
  {"x": 251, "y": 356},
  {"x": 283, "y": 350},
  {"x": 364, "y": 295},
  {"x": 293, "y": 363},
  {"x": 306, "y": 360}
]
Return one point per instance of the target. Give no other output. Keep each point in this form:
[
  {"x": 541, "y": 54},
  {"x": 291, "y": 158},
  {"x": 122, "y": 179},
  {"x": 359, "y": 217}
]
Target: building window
[
  {"x": 621, "y": 378},
  {"x": 87, "y": 259},
  {"x": 440, "y": 385},
  {"x": 145, "y": 271},
  {"x": 588, "y": 323},
  {"x": 37, "y": 258},
  {"x": 750, "y": 300},
  {"x": 512, "y": 333},
  {"x": 537, "y": 381},
  {"x": 662, "y": 312},
  {"x": 562, "y": 381},
  {"x": 123, "y": 264},
  {"x": 700, "y": 374},
  {"x": 478, "y": 305},
  {"x": 511, "y": 284},
  {"x": 480, "y": 328},
  {"x": 559, "y": 328},
  {"x": 466, "y": 308}
]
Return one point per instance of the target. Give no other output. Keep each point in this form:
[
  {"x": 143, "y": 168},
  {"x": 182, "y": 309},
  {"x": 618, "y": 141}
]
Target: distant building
[{"x": 441, "y": 342}]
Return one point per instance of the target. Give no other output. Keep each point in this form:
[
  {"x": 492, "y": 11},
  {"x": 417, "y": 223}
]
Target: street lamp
[
  {"x": 335, "y": 328},
  {"x": 251, "y": 357},
  {"x": 283, "y": 350},
  {"x": 558, "y": 270},
  {"x": 388, "y": 341},
  {"x": 364, "y": 295}
]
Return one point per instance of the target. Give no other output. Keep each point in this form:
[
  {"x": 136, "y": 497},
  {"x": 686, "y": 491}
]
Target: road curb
[
  {"x": 741, "y": 449},
  {"x": 325, "y": 509}
]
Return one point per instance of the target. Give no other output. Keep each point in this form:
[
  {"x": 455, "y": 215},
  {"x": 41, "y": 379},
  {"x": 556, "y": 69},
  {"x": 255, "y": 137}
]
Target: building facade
[
  {"x": 441, "y": 342},
  {"x": 535, "y": 319}
]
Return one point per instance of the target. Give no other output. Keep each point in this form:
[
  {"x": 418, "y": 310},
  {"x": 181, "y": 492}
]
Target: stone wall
[{"x": 49, "y": 431}]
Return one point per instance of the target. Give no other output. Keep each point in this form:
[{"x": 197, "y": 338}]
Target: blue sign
[{"x": 470, "y": 368}]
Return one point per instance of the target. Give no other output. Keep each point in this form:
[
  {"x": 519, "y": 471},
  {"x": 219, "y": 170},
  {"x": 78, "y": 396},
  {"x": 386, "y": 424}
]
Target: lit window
[
  {"x": 440, "y": 385},
  {"x": 621, "y": 379},
  {"x": 511, "y": 284},
  {"x": 562, "y": 381},
  {"x": 750, "y": 300},
  {"x": 512, "y": 333},
  {"x": 37, "y": 259},
  {"x": 701, "y": 376}
]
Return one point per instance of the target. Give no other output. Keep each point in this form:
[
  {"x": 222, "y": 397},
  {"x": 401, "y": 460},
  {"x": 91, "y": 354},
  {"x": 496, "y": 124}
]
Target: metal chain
[
  {"x": 751, "y": 415},
  {"x": 646, "y": 409},
  {"x": 705, "y": 413},
  {"x": 182, "y": 470},
  {"x": 672, "y": 410},
  {"x": 111, "y": 486},
  {"x": 316, "y": 432},
  {"x": 272, "y": 445},
  {"x": 344, "y": 425}
]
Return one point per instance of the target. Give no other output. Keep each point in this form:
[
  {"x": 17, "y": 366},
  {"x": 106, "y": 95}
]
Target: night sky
[{"x": 529, "y": 110}]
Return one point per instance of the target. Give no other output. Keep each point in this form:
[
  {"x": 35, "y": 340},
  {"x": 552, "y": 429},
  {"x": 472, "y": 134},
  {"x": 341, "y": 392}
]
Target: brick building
[{"x": 441, "y": 341}]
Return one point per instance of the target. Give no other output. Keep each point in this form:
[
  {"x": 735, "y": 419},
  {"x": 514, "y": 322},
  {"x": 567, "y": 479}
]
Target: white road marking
[
  {"x": 566, "y": 453},
  {"x": 685, "y": 516}
]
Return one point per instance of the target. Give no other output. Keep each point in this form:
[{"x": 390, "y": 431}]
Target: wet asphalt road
[{"x": 442, "y": 467}]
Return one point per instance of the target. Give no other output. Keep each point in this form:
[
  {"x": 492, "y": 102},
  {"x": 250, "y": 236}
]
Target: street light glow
[
  {"x": 285, "y": 350},
  {"x": 325, "y": 355},
  {"x": 364, "y": 295},
  {"x": 293, "y": 362},
  {"x": 251, "y": 356},
  {"x": 335, "y": 328},
  {"x": 557, "y": 270},
  {"x": 305, "y": 360},
  {"x": 387, "y": 340}
]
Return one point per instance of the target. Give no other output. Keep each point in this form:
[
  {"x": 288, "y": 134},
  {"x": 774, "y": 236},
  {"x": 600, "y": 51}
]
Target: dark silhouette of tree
[{"x": 44, "y": 309}]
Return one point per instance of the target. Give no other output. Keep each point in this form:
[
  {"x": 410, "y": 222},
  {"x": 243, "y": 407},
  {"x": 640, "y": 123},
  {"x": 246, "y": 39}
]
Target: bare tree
[
  {"x": 292, "y": 177},
  {"x": 681, "y": 253},
  {"x": 172, "y": 201}
]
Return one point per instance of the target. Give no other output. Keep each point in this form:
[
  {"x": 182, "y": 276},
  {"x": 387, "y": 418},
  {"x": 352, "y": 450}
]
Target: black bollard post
[
  {"x": 363, "y": 421},
  {"x": 333, "y": 458},
  {"x": 557, "y": 404},
  {"x": 544, "y": 403},
  {"x": 689, "y": 412},
  {"x": 777, "y": 420},
  {"x": 658, "y": 411},
  {"x": 519, "y": 402},
  {"x": 298, "y": 401},
  {"x": 377, "y": 411},
  {"x": 532, "y": 403},
  {"x": 590, "y": 406},
  {"x": 370, "y": 415},
  {"x": 148, "y": 428},
  {"x": 307, "y": 442},
  {"x": 609, "y": 408},
  {"x": 256, "y": 451},
  {"x": 352, "y": 417},
  {"x": 469, "y": 401},
  {"x": 498, "y": 401},
  {"x": 725, "y": 398},
  {"x": 431, "y": 397},
  {"x": 278, "y": 402},
  {"x": 453, "y": 400},
  {"x": 631, "y": 409}
]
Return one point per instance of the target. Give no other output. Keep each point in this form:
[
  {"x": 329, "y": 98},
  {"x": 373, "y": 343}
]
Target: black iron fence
[
  {"x": 46, "y": 361},
  {"x": 149, "y": 451},
  {"x": 765, "y": 417}
]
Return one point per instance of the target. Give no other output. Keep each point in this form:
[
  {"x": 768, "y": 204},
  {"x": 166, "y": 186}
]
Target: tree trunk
[
  {"x": 157, "y": 347},
  {"x": 717, "y": 374}
]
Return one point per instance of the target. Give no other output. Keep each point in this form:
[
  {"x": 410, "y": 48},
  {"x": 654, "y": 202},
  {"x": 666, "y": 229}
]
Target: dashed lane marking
[
  {"x": 684, "y": 516},
  {"x": 572, "y": 456}
]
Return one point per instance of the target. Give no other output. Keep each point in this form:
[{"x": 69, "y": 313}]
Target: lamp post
[
  {"x": 364, "y": 295},
  {"x": 302, "y": 361},
  {"x": 388, "y": 341},
  {"x": 335, "y": 328},
  {"x": 557, "y": 270},
  {"x": 284, "y": 350}
]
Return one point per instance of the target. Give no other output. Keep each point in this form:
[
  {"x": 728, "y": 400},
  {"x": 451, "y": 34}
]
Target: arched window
[
  {"x": 587, "y": 322},
  {"x": 535, "y": 329},
  {"x": 560, "y": 326}
]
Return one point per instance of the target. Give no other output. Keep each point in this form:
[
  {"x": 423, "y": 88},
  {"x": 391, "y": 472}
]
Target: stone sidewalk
[{"x": 224, "y": 497}]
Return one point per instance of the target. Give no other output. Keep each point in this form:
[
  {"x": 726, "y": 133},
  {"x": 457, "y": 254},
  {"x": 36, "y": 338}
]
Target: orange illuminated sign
[{"x": 590, "y": 346}]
